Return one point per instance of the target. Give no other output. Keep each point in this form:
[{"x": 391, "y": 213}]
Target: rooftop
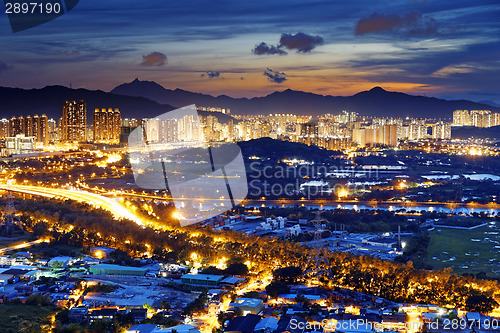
[
  {"x": 204, "y": 277},
  {"x": 252, "y": 302},
  {"x": 118, "y": 267}
]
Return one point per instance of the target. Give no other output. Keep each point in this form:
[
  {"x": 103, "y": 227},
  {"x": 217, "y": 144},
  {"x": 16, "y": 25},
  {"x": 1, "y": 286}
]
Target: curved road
[
  {"x": 109, "y": 204},
  {"x": 22, "y": 245}
]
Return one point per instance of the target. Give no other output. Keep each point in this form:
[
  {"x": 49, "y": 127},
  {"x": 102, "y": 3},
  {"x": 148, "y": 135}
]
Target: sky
[{"x": 446, "y": 49}]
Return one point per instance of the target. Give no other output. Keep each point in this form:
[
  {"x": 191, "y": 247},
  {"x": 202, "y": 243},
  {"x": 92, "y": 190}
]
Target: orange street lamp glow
[{"x": 342, "y": 193}]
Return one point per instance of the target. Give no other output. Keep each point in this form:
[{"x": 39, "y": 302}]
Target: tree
[
  {"x": 288, "y": 274},
  {"x": 480, "y": 303},
  {"x": 236, "y": 269},
  {"x": 275, "y": 288},
  {"x": 62, "y": 316}
]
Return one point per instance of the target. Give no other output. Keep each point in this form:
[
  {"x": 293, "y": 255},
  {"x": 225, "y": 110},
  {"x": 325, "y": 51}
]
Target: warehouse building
[
  {"x": 108, "y": 269},
  {"x": 248, "y": 305},
  {"x": 202, "y": 279}
]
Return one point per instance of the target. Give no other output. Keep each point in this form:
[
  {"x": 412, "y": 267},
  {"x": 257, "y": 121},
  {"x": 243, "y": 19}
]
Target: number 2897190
[{"x": 32, "y": 8}]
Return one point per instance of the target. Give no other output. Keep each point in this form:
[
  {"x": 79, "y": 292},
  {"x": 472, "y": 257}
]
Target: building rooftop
[
  {"x": 267, "y": 323},
  {"x": 243, "y": 324},
  {"x": 293, "y": 296},
  {"x": 118, "y": 267},
  {"x": 204, "y": 277},
  {"x": 232, "y": 280},
  {"x": 251, "y": 302}
]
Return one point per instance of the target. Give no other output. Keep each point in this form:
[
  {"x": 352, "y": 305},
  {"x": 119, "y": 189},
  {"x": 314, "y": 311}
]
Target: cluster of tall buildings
[
  {"x": 24, "y": 133},
  {"x": 73, "y": 124},
  {"x": 184, "y": 129},
  {"x": 339, "y": 131},
  {"x": 477, "y": 118},
  {"x": 37, "y": 127},
  {"x": 213, "y": 109}
]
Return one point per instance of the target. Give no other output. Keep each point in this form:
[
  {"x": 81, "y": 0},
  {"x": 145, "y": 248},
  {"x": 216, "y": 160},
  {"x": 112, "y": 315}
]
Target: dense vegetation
[{"x": 396, "y": 281}]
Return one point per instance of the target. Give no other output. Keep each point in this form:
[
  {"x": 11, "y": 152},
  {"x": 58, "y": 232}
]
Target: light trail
[
  {"x": 118, "y": 210},
  {"x": 22, "y": 245}
]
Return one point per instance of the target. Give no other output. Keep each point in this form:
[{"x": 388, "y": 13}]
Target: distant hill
[
  {"x": 144, "y": 99},
  {"x": 278, "y": 149},
  {"x": 375, "y": 102},
  {"x": 466, "y": 132},
  {"x": 50, "y": 100}
]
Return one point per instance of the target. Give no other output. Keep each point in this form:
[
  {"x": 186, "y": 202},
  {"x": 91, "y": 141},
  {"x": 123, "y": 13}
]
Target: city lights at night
[{"x": 250, "y": 167}]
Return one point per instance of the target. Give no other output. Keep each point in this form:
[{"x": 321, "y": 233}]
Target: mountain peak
[{"x": 377, "y": 89}]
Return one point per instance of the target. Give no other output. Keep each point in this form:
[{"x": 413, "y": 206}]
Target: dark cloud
[
  {"x": 211, "y": 75},
  {"x": 273, "y": 76},
  {"x": 412, "y": 24},
  {"x": 301, "y": 42},
  {"x": 154, "y": 59},
  {"x": 3, "y": 67},
  {"x": 263, "y": 48}
]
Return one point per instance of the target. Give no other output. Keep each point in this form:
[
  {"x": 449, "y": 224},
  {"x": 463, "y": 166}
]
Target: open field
[{"x": 466, "y": 251}]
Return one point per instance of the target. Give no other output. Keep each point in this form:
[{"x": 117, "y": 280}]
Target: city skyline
[
  {"x": 234, "y": 167},
  {"x": 245, "y": 50}
]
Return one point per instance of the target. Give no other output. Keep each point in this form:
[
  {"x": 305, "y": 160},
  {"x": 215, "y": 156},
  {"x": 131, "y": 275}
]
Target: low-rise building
[
  {"x": 202, "y": 279},
  {"x": 109, "y": 269},
  {"x": 244, "y": 324},
  {"x": 248, "y": 305}
]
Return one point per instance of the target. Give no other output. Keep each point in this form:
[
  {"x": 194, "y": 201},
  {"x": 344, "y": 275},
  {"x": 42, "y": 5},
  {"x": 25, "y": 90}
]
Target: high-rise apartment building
[
  {"x": 478, "y": 118},
  {"x": 441, "y": 130},
  {"x": 384, "y": 135},
  {"x": 30, "y": 126},
  {"x": 461, "y": 118},
  {"x": 391, "y": 135},
  {"x": 4, "y": 128},
  {"x": 107, "y": 123},
  {"x": 481, "y": 118},
  {"x": 495, "y": 119},
  {"x": 52, "y": 130},
  {"x": 73, "y": 124},
  {"x": 417, "y": 129},
  {"x": 16, "y": 126}
]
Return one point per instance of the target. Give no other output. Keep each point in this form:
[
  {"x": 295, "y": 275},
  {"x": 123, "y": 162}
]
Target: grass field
[
  {"x": 15, "y": 318},
  {"x": 466, "y": 251}
]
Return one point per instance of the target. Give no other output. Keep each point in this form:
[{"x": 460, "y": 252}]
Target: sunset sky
[{"x": 448, "y": 49}]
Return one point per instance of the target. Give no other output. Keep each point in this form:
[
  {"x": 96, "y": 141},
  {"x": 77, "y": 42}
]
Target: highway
[
  {"x": 112, "y": 205},
  {"x": 22, "y": 245}
]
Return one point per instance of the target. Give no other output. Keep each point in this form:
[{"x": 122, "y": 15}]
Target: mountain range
[
  {"x": 144, "y": 99},
  {"x": 375, "y": 102}
]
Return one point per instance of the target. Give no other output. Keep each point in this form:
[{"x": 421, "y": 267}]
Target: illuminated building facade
[
  {"x": 30, "y": 126},
  {"x": 107, "y": 123},
  {"x": 441, "y": 130},
  {"x": 477, "y": 118},
  {"x": 73, "y": 124}
]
